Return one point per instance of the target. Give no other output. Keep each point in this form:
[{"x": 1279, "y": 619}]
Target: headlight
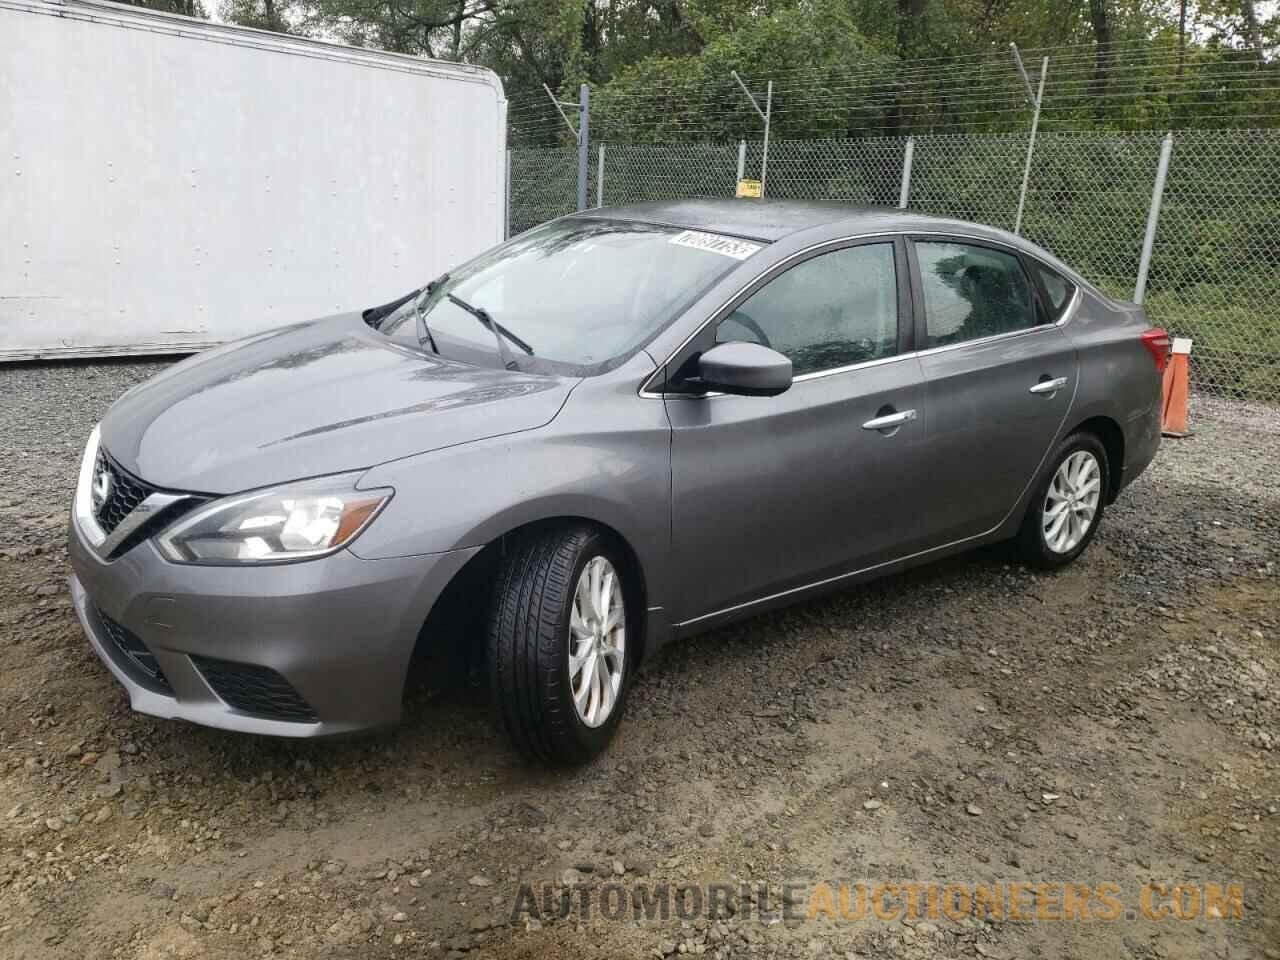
[
  {"x": 294, "y": 522},
  {"x": 83, "y": 502}
]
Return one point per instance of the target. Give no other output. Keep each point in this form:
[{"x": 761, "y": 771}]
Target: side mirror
[{"x": 745, "y": 369}]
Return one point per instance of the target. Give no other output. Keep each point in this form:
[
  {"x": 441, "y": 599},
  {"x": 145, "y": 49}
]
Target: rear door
[
  {"x": 999, "y": 375},
  {"x": 774, "y": 493}
]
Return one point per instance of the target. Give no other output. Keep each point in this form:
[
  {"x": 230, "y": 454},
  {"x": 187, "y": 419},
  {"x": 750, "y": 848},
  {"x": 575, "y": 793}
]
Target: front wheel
[
  {"x": 1066, "y": 507},
  {"x": 559, "y": 652}
]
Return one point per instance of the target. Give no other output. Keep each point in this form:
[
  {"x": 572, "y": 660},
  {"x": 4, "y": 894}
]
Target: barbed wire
[
  {"x": 838, "y": 78},
  {"x": 1124, "y": 85}
]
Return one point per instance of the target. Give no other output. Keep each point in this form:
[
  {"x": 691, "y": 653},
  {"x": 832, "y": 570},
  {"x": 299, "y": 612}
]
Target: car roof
[{"x": 770, "y": 220}]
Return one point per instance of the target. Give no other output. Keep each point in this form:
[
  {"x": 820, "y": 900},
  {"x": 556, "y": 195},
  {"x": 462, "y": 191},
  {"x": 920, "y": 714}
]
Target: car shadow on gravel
[
  {"x": 751, "y": 636},
  {"x": 448, "y": 706},
  {"x": 449, "y": 731}
]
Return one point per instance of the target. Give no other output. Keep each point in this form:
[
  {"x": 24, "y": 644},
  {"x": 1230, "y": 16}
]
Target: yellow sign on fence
[{"x": 748, "y": 188}]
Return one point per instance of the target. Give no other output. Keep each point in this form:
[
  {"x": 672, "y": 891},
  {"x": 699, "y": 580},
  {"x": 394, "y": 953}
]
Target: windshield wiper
[
  {"x": 424, "y": 332},
  {"x": 498, "y": 330}
]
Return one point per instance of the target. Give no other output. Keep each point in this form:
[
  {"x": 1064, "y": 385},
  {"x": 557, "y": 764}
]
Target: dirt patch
[{"x": 968, "y": 723}]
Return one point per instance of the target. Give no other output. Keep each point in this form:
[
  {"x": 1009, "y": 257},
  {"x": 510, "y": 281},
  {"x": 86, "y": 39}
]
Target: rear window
[
  {"x": 1058, "y": 289},
  {"x": 972, "y": 292}
]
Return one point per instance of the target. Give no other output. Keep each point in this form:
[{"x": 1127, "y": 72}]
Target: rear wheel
[
  {"x": 1067, "y": 505},
  {"x": 559, "y": 652}
]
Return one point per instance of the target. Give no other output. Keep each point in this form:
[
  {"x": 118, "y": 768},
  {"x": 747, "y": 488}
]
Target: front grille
[
  {"x": 138, "y": 661},
  {"x": 125, "y": 493},
  {"x": 255, "y": 690}
]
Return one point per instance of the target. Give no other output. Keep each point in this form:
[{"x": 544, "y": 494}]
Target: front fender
[{"x": 469, "y": 496}]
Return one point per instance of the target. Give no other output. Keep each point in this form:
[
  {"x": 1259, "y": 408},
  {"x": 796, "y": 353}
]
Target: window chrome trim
[
  {"x": 1068, "y": 313},
  {"x": 645, "y": 392},
  {"x": 861, "y": 365}
]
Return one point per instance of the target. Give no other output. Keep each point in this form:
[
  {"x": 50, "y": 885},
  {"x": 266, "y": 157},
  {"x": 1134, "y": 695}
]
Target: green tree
[
  {"x": 188, "y": 8},
  {"x": 278, "y": 15}
]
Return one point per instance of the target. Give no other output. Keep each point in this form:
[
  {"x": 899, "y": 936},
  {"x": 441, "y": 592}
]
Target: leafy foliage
[
  {"x": 188, "y": 8},
  {"x": 659, "y": 69}
]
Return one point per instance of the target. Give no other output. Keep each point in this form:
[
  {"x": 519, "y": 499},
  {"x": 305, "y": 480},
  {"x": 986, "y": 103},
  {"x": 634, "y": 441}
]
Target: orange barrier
[{"x": 1177, "y": 390}]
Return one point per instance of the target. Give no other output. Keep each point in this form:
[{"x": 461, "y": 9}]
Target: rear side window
[
  {"x": 833, "y": 310},
  {"x": 1058, "y": 289},
  {"x": 971, "y": 292}
]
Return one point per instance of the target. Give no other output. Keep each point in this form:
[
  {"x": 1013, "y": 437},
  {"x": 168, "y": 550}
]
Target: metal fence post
[
  {"x": 764, "y": 159},
  {"x": 506, "y": 213},
  {"x": 1031, "y": 143},
  {"x": 766, "y": 115},
  {"x": 1153, "y": 218},
  {"x": 584, "y": 143},
  {"x": 742, "y": 159},
  {"x": 600, "y": 178},
  {"x": 905, "y": 193}
]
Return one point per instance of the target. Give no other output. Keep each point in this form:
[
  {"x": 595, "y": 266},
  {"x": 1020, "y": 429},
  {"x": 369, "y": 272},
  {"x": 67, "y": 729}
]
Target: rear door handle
[
  {"x": 890, "y": 420},
  {"x": 1049, "y": 386}
]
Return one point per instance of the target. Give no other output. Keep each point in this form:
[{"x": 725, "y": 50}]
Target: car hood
[{"x": 311, "y": 399}]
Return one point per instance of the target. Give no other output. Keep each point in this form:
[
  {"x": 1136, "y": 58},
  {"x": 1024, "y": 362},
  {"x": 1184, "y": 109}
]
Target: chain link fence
[
  {"x": 863, "y": 171},
  {"x": 1215, "y": 274},
  {"x": 636, "y": 172},
  {"x": 542, "y": 184},
  {"x": 1087, "y": 201},
  {"x": 1215, "y": 269}
]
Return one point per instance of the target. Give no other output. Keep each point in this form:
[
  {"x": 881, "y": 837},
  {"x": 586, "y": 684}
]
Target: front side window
[
  {"x": 577, "y": 292},
  {"x": 971, "y": 292},
  {"x": 830, "y": 311}
]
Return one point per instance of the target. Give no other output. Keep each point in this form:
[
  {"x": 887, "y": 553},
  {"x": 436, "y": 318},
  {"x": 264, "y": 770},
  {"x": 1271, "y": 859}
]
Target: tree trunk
[
  {"x": 911, "y": 33},
  {"x": 911, "y": 29},
  {"x": 456, "y": 48},
  {"x": 1252, "y": 32},
  {"x": 1182, "y": 35},
  {"x": 590, "y": 37},
  {"x": 984, "y": 21},
  {"x": 1101, "y": 24}
]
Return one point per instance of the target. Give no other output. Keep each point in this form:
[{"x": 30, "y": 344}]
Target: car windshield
[{"x": 581, "y": 292}]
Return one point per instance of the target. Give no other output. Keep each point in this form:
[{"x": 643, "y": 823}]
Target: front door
[
  {"x": 774, "y": 493},
  {"x": 999, "y": 376}
]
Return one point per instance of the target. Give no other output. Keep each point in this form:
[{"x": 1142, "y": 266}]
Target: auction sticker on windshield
[{"x": 716, "y": 243}]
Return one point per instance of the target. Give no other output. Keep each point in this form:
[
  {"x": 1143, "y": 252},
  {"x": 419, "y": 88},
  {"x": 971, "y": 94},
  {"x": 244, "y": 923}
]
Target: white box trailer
[{"x": 167, "y": 184}]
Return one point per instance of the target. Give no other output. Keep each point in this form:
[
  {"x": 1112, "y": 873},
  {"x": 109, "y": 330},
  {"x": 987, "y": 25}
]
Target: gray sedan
[{"x": 622, "y": 427}]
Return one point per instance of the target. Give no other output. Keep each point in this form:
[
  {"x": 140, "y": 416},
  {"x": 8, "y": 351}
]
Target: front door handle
[
  {"x": 890, "y": 421},
  {"x": 1049, "y": 386}
]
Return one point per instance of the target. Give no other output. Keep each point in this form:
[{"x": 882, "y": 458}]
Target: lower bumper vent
[
  {"x": 255, "y": 690},
  {"x": 134, "y": 655}
]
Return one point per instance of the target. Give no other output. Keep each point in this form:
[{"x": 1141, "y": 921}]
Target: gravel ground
[{"x": 967, "y": 722}]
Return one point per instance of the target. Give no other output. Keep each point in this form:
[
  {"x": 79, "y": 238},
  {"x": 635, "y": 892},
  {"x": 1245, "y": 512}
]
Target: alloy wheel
[
  {"x": 1071, "y": 503},
  {"x": 597, "y": 642}
]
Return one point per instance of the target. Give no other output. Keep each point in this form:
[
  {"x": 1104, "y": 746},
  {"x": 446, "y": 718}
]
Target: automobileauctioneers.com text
[{"x": 865, "y": 901}]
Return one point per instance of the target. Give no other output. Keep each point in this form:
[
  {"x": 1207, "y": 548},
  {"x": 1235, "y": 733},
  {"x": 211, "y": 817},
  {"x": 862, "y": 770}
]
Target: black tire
[
  {"x": 528, "y": 643},
  {"x": 1032, "y": 544}
]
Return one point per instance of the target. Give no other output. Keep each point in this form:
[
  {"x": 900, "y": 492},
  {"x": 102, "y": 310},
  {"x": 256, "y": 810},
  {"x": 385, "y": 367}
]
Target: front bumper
[{"x": 338, "y": 630}]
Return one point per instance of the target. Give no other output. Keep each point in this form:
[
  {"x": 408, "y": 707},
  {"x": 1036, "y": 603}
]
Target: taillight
[{"x": 1157, "y": 342}]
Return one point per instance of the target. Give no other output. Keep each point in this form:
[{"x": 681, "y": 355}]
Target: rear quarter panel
[{"x": 1118, "y": 379}]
